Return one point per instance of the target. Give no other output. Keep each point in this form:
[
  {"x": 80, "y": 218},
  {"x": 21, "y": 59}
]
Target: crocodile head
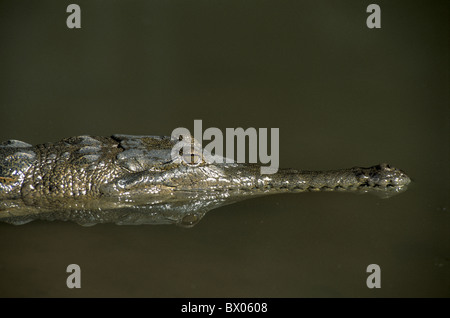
[
  {"x": 151, "y": 166},
  {"x": 184, "y": 185},
  {"x": 189, "y": 185}
]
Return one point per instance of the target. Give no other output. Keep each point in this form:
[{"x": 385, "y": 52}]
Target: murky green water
[{"x": 341, "y": 94}]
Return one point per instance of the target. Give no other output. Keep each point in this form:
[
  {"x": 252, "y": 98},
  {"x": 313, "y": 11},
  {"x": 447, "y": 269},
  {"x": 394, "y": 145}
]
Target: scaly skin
[{"x": 133, "y": 180}]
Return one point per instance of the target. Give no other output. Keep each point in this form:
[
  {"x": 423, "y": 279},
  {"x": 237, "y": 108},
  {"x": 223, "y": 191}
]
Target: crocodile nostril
[{"x": 190, "y": 219}]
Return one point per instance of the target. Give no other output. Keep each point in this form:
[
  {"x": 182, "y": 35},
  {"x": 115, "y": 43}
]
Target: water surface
[{"x": 342, "y": 95}]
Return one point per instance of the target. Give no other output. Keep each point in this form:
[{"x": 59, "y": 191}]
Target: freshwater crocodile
[{"x": 128, "y": 179}]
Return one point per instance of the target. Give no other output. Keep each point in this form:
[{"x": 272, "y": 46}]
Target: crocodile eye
[{"x": 192, "y": 159}]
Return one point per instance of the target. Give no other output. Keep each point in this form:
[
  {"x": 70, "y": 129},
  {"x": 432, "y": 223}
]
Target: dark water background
[{"x": 342, "y": 95}]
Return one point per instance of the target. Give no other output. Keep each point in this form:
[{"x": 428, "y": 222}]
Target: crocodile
[{"x": 127, "y": 179}]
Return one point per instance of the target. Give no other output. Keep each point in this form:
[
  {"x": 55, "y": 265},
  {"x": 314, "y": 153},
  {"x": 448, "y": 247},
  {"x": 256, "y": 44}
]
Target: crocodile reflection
[{"x": 127, "y": 179}]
